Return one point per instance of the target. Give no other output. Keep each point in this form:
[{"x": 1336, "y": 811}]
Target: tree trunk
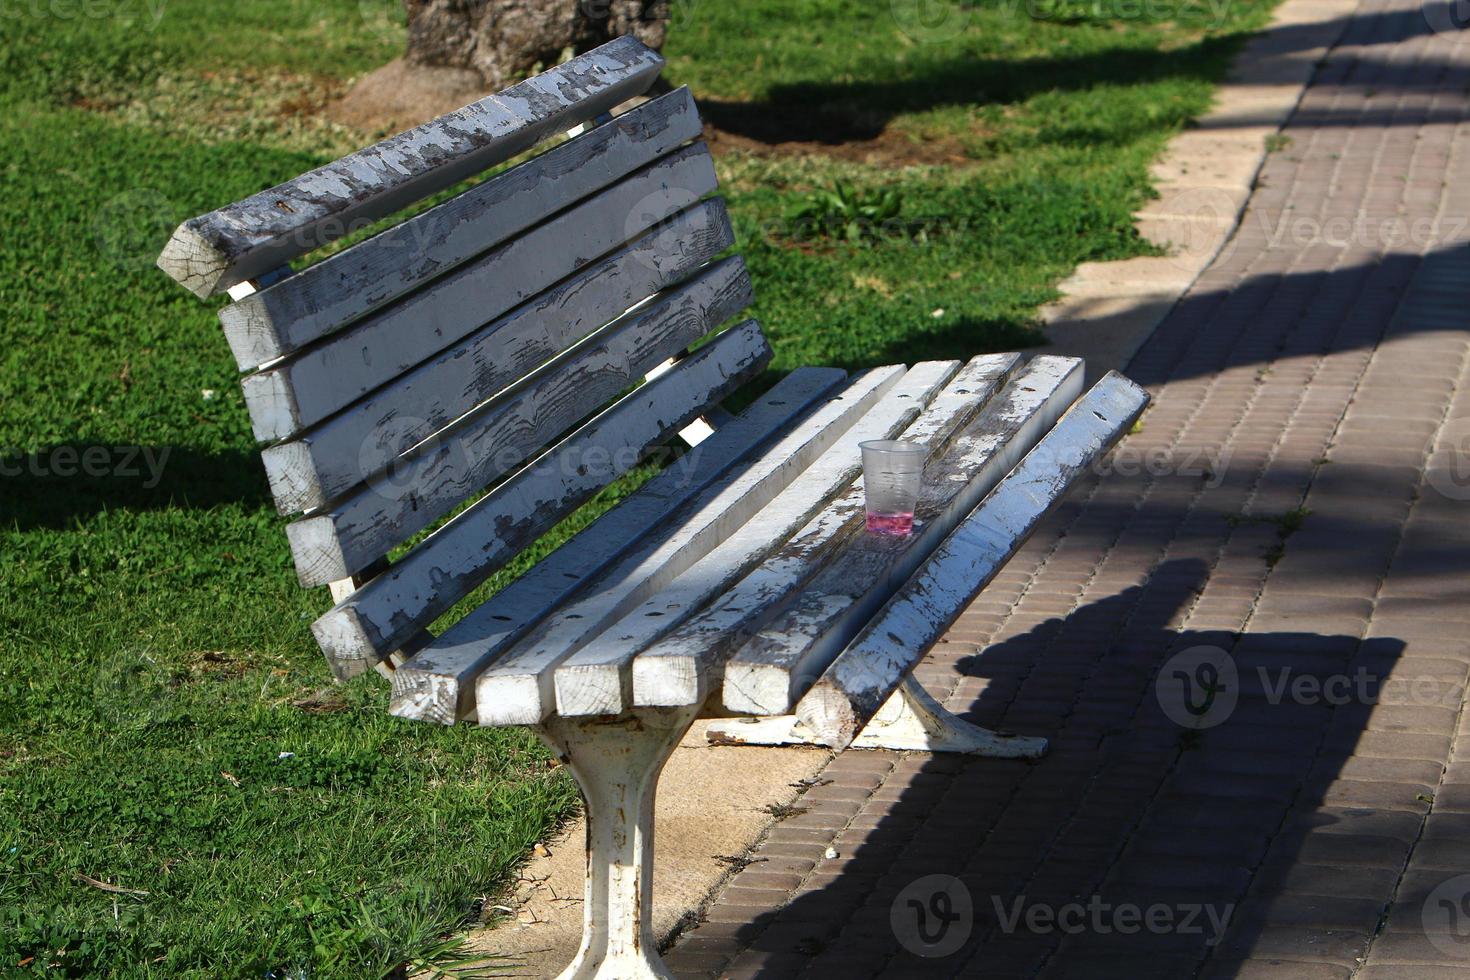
[{"x": 504, "y": 40}]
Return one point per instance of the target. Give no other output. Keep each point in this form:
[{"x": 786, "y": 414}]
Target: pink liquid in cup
[{"x": 898, "y": 525}]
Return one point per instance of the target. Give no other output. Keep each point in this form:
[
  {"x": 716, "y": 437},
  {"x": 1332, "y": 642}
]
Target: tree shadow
[{"x": 834, "y": 113}]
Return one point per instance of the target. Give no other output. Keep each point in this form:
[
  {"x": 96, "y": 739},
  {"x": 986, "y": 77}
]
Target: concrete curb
[{"x": 1204, "y": 178}]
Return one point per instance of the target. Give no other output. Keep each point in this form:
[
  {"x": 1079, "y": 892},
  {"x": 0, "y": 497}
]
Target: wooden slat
[
  {"x": 517, "y": 687},
  {"x": 861, "y": 679},
  {"x": 437, "y": 477},
  {"x": 768, "y": 674},
  {"x": 597, "y": 679},
  {"x": 438, "y": 683},
  {"x": 459, "y": 556},
  {"x": 321, "y": 298},
  {"x": 285, "y": 399},
  {"x": 356, "y": 444},
  {"x": 681, "y": 667},
  {"x": 212, "y": 252}
]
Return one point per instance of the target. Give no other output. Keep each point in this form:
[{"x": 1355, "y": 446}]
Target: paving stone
[{"x": 1301, "y": 815}]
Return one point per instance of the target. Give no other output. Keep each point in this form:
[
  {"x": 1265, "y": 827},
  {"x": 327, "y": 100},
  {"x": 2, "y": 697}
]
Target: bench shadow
[
  {"x": 57, "y": 486},
  {"x": 1163, "y": 790}
]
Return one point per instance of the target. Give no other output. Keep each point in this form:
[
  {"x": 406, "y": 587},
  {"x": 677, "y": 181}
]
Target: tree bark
[{"x": 505, "y": 40}]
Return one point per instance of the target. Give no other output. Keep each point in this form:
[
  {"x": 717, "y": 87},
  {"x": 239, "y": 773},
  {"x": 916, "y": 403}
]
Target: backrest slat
[
  {"x": 210, "y": 253},
  {"x": 477, "y": 450},
  {"x": 321, "y": 298},
  {"x": 511, "y": 343},
  {"x": 285, "y": 399},
  {"x": 353, "y": 445},
  {"x": 456, "y": 558}
]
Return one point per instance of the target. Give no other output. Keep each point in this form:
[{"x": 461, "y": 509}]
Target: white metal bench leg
[
  {"x": 616, "y": 762},
  {"x": 909, "y": 721}
]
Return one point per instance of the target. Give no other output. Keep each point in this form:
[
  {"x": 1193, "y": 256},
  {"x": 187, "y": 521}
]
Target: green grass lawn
[{"x": 166, "y": 724}]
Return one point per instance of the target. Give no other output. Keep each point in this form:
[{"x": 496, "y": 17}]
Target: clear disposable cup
[{"x": 892, "y": 474}]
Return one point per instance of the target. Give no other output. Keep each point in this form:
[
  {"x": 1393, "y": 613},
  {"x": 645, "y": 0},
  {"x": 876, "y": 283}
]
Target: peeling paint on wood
[
  {"x": 322, "y": 298},
  {"x": 509, "y": 430},
  {"x": 356, "y": 444},
  {"x": 285, "y": 399},
  {"x": 212, "y": 252}
]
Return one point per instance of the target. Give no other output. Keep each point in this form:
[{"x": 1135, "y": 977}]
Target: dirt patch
[
  {"x": 399, "y": 96},
  {"x": 853, "y": 135}
]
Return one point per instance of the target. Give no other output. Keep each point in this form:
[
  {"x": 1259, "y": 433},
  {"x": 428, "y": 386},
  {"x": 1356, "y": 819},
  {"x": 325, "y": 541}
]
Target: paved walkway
[{"x": 1249, "y": 641}]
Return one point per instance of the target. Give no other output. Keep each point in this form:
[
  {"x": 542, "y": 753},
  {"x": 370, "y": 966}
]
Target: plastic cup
[{"x": 892, "y": 474}]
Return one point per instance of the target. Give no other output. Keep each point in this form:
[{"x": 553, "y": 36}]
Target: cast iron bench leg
[{"x": 616, "y": 762}]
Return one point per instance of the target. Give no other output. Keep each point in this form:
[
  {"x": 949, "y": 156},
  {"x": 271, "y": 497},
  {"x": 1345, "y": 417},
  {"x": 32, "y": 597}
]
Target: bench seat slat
[
  {"x": 438, "y": 683},
  {"x": 355, "y": 444},
  {"x": 324, "y": 297},
  {"x": 597, "y": 679},
  {"x": 459, "y": 556},
  {"x": 285, "y": 399},
  {"x": 501, "y": 435},
  {"x": 862, "y": 678},
  {"x": 212, "y": 252},
  {"x": 768, "y": 674},
  {"x": 518, "y": 685},
  {"x": 681, "y": 667}
]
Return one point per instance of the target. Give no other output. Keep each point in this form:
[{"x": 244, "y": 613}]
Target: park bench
[{"x": 452, "y": 387}]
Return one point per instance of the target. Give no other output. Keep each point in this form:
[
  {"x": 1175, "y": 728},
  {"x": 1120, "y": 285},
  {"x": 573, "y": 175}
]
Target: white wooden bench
[{"x": 519, "y": 346}]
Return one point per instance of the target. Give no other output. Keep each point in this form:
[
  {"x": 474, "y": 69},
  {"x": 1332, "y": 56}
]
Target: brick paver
[{"x": 1294, "y": 504}]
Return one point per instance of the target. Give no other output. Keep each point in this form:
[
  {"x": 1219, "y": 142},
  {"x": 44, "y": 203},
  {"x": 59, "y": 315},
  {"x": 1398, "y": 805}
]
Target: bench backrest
[{"x": 488, "y": 342}]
